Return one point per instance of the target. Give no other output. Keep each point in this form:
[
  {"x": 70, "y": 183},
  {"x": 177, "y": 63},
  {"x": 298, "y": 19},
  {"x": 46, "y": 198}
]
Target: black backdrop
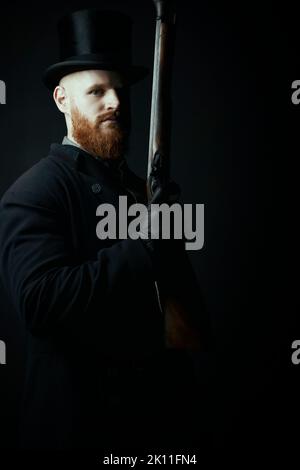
[{"x": 231, "y": 150}]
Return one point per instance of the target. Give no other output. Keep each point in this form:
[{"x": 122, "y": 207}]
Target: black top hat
[{"x": 94, "y": 39}]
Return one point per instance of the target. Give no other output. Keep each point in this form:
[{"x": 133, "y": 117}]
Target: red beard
[{"x": 108, "y": 143}]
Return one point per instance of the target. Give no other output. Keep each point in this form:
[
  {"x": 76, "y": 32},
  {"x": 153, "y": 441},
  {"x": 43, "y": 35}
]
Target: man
[{"x": 96, "y": 369}]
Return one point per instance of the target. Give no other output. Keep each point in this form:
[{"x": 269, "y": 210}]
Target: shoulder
[{"x": 43, "y": 183}]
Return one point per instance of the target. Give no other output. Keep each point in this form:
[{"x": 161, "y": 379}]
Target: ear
[{"x": 60, "y": 98}]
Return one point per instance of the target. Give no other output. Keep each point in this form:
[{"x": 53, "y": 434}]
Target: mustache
[{"x": 115, "y": 115}]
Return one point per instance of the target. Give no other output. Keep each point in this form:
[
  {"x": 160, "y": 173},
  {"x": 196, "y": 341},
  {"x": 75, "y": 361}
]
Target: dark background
[{"x": 234, "y": 148}]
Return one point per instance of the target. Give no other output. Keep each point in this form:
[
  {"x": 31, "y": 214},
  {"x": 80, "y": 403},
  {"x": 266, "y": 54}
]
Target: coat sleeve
[{"x": 46, "y": 286}]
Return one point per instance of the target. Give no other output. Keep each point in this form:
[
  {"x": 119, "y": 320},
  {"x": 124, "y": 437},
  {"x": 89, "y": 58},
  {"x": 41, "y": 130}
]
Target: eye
[{"x": 96, "y": 92}]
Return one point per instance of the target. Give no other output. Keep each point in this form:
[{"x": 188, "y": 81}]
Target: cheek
[
  {"x": 94, "y": 108},
  {"x": 89, "y": 108}
]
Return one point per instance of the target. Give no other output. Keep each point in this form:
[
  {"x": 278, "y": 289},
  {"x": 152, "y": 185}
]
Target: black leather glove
[
  {"x": 162, "y": 251},
  {"x": 162, "y": 190}
]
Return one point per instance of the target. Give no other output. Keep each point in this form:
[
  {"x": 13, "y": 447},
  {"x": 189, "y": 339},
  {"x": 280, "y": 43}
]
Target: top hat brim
[{"x": 130, "y": 74}]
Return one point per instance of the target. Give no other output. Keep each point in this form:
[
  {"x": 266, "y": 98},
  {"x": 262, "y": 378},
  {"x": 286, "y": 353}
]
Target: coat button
[{"x": 96, "y": 188}]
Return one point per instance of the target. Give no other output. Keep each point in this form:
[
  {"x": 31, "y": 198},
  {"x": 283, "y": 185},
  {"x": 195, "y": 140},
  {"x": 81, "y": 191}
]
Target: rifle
[
  {"x": 161, "y": 103},
  {"x": 180, "y": 327}
]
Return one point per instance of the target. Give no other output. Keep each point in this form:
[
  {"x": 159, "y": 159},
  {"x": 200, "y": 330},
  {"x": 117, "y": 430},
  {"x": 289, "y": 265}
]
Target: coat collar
[
  {"x": 82, "y": 160},
  {"x": 116, "y": 174}
]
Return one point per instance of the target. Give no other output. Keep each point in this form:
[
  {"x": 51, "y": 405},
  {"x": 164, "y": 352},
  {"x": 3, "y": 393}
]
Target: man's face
[{"x": 97, "y": 111}]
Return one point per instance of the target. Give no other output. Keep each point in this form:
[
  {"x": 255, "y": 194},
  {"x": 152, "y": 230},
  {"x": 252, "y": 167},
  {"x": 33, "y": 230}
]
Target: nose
[{"x": 112, "y": 100}]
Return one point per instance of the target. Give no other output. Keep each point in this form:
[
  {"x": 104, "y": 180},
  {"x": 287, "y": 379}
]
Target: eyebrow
[
  {"x": 96, "y": 86},
  {"x": 104, "y": 86}
]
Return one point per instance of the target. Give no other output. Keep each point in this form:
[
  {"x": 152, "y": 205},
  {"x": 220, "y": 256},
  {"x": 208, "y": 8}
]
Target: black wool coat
[{"x": 96, "y": 364}]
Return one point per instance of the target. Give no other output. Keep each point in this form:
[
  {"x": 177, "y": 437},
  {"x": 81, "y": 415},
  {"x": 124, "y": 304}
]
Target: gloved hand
[{"x": 163, "y": 192}]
